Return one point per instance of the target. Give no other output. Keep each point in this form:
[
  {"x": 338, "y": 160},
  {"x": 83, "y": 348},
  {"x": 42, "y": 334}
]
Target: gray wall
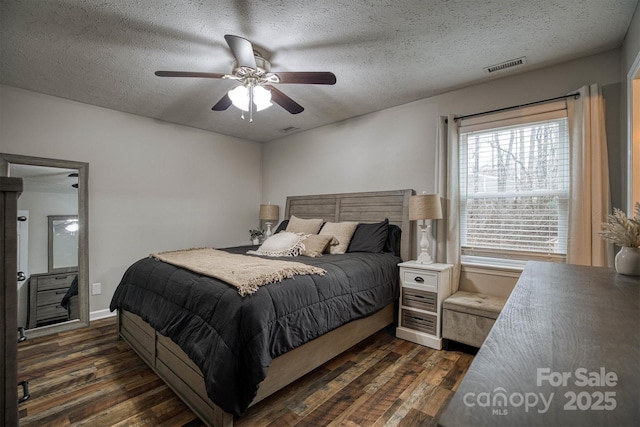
[
  {"x": 396, "y": 148},
  {"x": 153, "y": 185}
]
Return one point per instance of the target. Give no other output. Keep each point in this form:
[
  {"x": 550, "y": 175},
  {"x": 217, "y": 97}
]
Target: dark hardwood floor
[{"x": 89, "y": 377}]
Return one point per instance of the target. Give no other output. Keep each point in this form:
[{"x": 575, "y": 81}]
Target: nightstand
[
  {"x": 423, "y": 288},
  {"x": 46, "y": 291}
]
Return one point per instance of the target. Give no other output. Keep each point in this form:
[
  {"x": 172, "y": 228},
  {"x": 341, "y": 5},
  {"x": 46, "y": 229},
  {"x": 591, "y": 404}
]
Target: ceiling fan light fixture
[
  {"x": 72, "y": 226},
  {"x": 261, "y": 98},
  {"x": 253, "y": 72},
  {"x": 239, "y": 97}
]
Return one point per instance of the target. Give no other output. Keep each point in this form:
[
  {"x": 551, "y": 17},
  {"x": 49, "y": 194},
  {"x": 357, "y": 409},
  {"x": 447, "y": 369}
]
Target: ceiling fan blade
[
  {"x": 284, "y": 101},
  {"x": 223, "y": 104},
  {"x": 188, "y": 74},
  {"x": 242, "y": 50},
  {"x": 307, "y": 77}
]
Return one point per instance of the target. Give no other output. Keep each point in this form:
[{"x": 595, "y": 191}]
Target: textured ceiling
[
  {"x": 383, "y": 53},
  {"x": 45, "y": 179}
]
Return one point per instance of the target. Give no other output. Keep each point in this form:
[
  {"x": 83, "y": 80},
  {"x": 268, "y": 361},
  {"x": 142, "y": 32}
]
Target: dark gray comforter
[{"x": 233, "y": 339}]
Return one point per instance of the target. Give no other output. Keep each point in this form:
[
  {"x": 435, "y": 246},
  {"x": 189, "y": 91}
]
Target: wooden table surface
[{"x": 564, "y": 351}]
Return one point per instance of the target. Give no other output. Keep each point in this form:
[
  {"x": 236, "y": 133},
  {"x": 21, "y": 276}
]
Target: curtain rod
[{"x": 575, "y": 95}]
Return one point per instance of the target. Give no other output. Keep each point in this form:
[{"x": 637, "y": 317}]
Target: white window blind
[{"x": 514, "y": 186}]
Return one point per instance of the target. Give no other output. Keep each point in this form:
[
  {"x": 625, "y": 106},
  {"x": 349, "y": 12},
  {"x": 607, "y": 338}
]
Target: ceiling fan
[{"x": 253, "y": 72}]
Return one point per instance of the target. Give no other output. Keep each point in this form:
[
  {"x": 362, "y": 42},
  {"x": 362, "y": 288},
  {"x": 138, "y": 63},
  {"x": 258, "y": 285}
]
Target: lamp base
[
  {"x": 269, "y": 232},
  {"x": 424, "y": 258}
]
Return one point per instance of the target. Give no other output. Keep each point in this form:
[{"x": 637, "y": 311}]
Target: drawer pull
[
  {"x": 21, "y": 335},
  {"x": 25, "y": 391},
  {"x": 419, "y": 279}
]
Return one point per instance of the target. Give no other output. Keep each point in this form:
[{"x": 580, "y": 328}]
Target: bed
[{"x": 256, "y": 353}]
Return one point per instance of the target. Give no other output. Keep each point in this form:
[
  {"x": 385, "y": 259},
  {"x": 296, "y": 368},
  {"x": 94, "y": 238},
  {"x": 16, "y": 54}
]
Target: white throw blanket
[{"x": 247, "y": 273}]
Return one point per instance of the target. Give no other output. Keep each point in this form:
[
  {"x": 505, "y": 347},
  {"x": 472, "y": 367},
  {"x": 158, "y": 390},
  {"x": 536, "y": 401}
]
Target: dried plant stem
[{"x": 621, "y": 230}]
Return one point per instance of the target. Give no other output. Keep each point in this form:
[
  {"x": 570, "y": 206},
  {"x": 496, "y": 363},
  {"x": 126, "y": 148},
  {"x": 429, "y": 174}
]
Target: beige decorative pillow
[
  {"x": 304, "y": 226},
  {"x": 315, "y": 244},
  {"x": 341, "y": 231}
]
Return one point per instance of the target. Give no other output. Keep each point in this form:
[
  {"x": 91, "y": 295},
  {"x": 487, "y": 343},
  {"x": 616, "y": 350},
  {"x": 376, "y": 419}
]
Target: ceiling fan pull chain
[{"x": 251, "y": 104}]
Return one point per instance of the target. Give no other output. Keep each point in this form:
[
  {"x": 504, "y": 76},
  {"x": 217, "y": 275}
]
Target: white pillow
[{"x": 282, "y": 244}]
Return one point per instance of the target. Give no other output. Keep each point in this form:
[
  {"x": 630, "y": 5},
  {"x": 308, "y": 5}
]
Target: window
[{"x": 514, "y": 186}]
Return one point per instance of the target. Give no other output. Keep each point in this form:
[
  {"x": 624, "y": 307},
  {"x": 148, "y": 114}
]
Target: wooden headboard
[{"x": 360, "y": 207}]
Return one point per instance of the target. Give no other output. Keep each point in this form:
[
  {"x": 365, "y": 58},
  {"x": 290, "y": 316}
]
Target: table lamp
[
  {"x": 269, "y": 213},
  {"x": 424, "y": 207}
]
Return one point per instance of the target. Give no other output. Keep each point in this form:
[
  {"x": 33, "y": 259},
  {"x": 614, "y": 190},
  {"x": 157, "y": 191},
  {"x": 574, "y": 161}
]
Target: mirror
[
  {"x": 52, "y": 243},
  {"x": 63, "y": 243}
]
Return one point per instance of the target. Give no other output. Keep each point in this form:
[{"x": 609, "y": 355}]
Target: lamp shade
[
  {"x": 269, "y": 212},
  {"x": 425, "y": 206},
  {"x": 240, "y": 97},
  {"x": 261, "y": 98}
]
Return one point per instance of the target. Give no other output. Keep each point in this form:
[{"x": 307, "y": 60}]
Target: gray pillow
[{"x": 370, "y": 237}]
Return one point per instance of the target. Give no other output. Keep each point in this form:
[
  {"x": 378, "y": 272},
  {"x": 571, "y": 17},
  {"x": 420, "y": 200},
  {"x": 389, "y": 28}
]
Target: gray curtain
[{"x": 448, "y": 186}]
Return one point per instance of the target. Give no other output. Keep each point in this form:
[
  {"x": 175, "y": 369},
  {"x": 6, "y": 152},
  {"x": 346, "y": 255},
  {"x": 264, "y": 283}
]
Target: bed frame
[{"x": 185, "y": 378}]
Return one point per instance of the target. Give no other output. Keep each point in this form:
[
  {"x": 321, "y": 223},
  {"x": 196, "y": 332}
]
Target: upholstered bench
[{"x": 469, "y": 316}]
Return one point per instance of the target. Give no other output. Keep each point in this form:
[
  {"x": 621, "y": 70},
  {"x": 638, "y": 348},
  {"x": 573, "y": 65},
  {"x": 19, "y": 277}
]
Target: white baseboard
[{"x": 101, "y": 314}]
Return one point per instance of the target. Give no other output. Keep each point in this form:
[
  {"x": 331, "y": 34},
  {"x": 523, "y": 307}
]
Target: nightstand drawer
[
  {"x": 51, "y": 312},
  {"x": 57, "y": 281},
  {"x": 51, "y": 297},
  {"x": 419, "y": 321},
  {"x": 423, "y": 300},
  {"x": 420, "y": 278}
]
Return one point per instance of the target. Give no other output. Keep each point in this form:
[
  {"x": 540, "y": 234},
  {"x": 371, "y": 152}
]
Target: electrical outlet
[{"x": 96, "y": 289}]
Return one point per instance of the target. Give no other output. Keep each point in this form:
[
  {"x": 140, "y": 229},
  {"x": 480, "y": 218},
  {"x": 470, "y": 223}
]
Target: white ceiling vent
[
  {"x": 506, "y": 65},
  {"x": 289, "y": 129}
]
